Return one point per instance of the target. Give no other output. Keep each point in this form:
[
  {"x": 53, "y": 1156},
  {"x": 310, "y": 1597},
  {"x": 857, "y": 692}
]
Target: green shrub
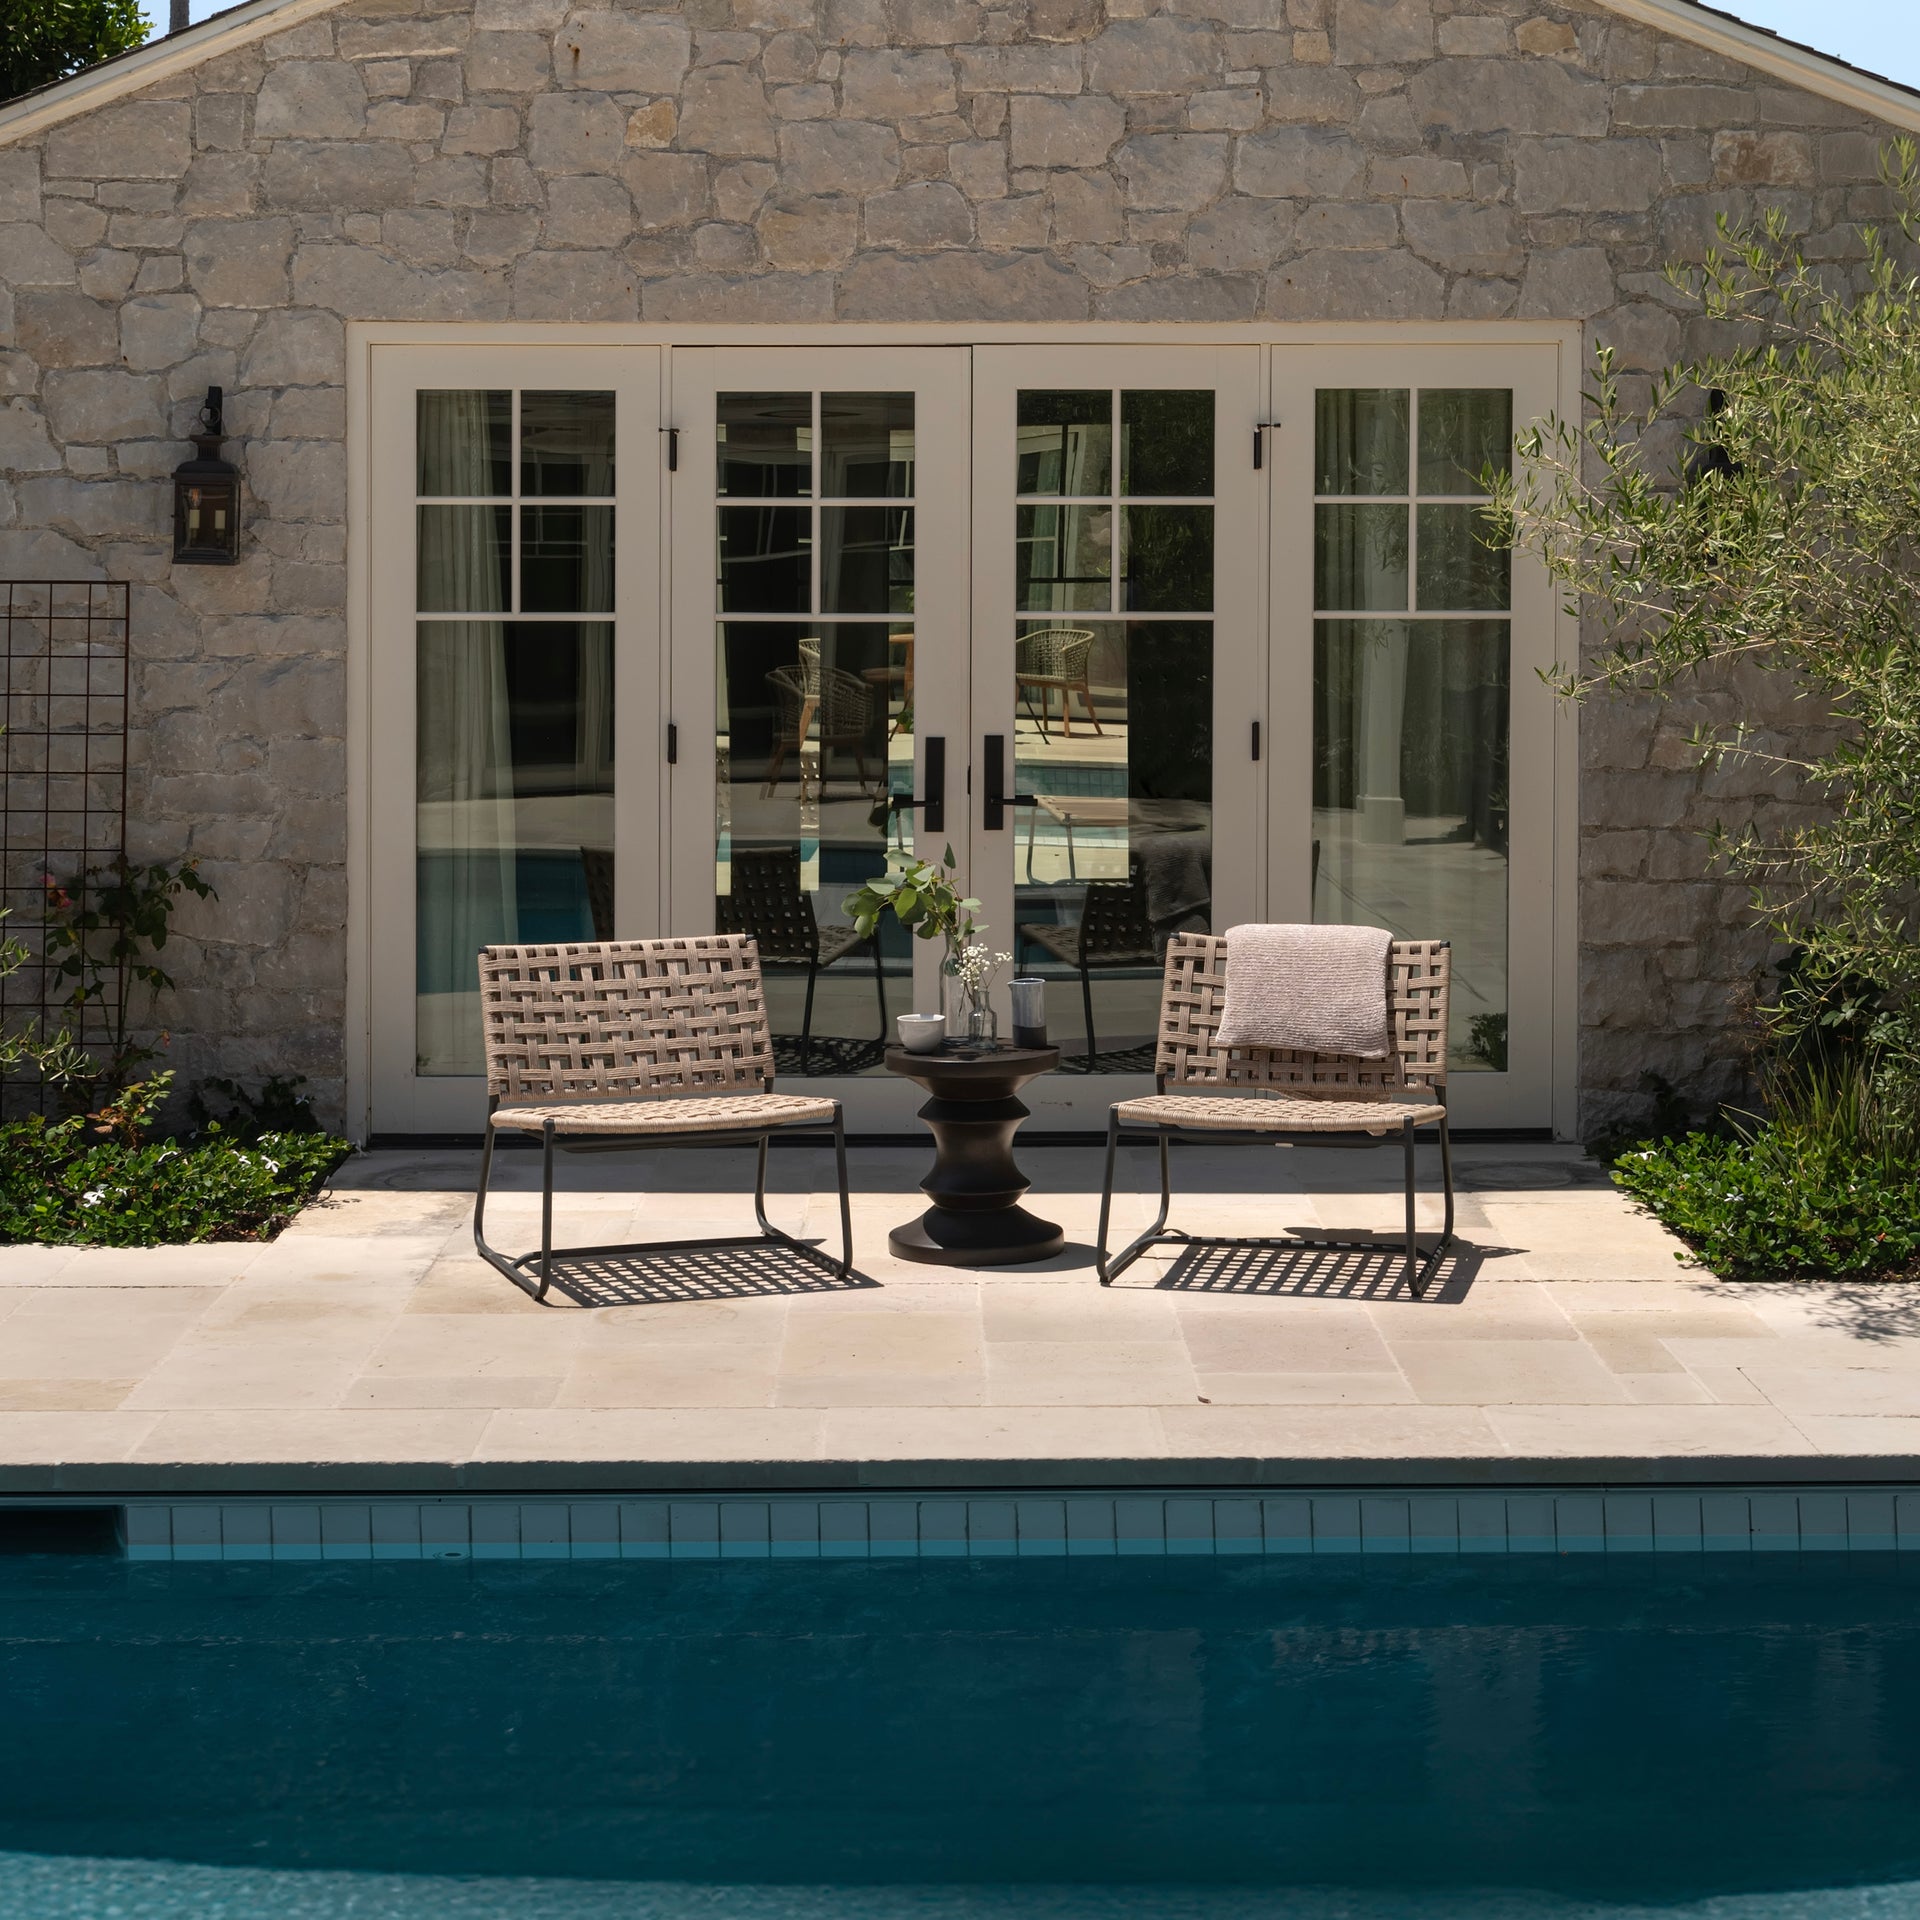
[
  {"x": 1829, "y": 1186},
  {"x": 56, "y": 1186}
]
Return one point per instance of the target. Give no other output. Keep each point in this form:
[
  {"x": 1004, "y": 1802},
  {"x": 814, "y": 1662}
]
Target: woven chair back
[
  {"x": 843, "y": 701},
  {"x": 1054, "y": 652},
  {"x": 767, "y": 903},
  {"x": 1194, "y": 993},
  {"x": 625, "y": 1019},
  {"x": 1114, "y": 929}
]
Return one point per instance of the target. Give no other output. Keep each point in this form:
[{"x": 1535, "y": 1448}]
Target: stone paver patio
[{"x": 369, "y": 1348}]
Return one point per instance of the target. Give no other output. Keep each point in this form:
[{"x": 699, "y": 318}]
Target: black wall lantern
[{"x": 206, "y": 497}]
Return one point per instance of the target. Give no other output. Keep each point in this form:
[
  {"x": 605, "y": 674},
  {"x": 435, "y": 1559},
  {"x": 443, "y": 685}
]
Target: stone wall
[{"x": 811, "y": 160}]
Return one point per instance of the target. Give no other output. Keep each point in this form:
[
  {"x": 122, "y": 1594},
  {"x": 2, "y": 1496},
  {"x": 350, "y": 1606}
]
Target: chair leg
[
  {"x": 1413, "y": 1237},
  {"x": 1086, "y": 997},
  {"x": 806, "y": 1021},
  {"x": 880, "y": 988},
  {"x": 846, "y": 1204},
  {"x": 760, "y": 1184},
  {"x": 1093, "y": 713},
  {"x": 1446, "y": 1181},
  {"x": 1136, "y": 1247},
  {"x": 546, "y": 1210}
]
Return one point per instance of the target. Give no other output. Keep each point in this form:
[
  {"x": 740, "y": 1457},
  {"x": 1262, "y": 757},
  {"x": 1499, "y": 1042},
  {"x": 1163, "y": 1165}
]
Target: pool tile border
[{"x": 1057, "y": 1526}]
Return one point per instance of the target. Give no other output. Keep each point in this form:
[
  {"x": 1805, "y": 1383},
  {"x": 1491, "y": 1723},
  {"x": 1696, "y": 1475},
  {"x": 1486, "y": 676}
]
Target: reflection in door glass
[
  {"x": 1113, "y": 721},
  {"x": 514, "y": 731},
  {"x": 814, "y": 703},
  {"x": 1411, "y": 724}
]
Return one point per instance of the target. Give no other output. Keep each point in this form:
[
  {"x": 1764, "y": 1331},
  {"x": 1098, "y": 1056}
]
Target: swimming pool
[{"x": 1071, "y": 1738}]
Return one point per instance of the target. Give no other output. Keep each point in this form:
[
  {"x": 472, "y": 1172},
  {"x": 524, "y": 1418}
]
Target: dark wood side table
[{"x": 976, "y": 1219}]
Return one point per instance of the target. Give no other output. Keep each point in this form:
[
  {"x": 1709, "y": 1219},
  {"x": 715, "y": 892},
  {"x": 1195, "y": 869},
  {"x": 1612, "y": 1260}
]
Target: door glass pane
[
  {"x": 1458, "y": 569},
  {"x": 1410, "y": 801},
  {"x": 765, "y": 449},
  {"x": 766, "y": 559},
  {"x": 464, "y": 559},
  {"x": 1064, "y": 558},
  {"x": 566, "y": 559},
  {"x": 1065, "y": 443},
  {"x": 1360, "y": 437},
  {"x": 1166, "y": 443},
  {"x": 566, "y": 443},
  {"x": 463, "y": 444},
  {"x": 1168, "y": 559},
  {"x": 866, "y": 559},
  {"x": 866, "y": 446},
  {"x": 1117, "y": 854},
  {"x": 514, "y": 808},
  {"x": 815, "y": 708},
  {"x": 1463, "y": 432},
  {"x": 1360, "y": 557}
]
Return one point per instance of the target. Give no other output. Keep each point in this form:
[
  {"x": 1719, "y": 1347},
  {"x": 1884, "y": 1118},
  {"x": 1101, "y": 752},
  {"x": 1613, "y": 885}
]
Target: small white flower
[{"x": 93, "y": 1196}]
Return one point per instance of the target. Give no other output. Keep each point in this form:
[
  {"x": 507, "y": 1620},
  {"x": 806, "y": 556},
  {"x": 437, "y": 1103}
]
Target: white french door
[
  {"x": 513, "y": 720},
  {"x": 1152, "y": 636}
]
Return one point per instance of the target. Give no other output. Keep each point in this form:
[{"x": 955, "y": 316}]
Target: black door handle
[
  {"x": 933, "y": 803},
  {"x": 993, "y": 815}
]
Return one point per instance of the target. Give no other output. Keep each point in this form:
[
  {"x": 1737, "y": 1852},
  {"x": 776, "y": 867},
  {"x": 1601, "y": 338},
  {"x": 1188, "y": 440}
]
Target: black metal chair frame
[
  {"x": 537, "y": 1282},
  {"x": 1419, "y": 1266}
]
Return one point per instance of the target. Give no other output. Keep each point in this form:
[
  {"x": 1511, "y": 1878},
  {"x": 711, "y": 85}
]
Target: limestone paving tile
[
  {"x": 1505, "y": 1373},
  {"x": 1110, "y": 1373},
  {"x": 1637, "y": 1432},
  {"x": 1872, "y": 1435},
  {"x": 930, "y": 1342},
  {"x": 1044, "y": 1435},
  {"x": 213, "y": 1264},
  {"x": 1728, "y": 1385},
  {"x": 51, "y": 1394},
  {"x": 489, "y": 1391},
  {"x": 1280, "y": 1335},
  {"x": 472, "y": 1344},
  {"x": 1808, "y": 1352},
  {"x": 32, "y": 1266},
  {"x": 966, "y": 1388},
  {"x": 1576, "y": 1238},
  {"x": 63, "y": 1344},
  {"x": 325, "y": 1257},
  {"x": 311, "y": 1436},
  {"x": 1323, "y": 1388},
  {"x": 1838, "y": 1390},
  {"x": 1492, "y": 1310},
  {"x": 1025, "y": 1310},
  {"x": 1667, "y": 1389},
  {"x": 690, "y": 1434},
  {"x": 683, "y": 1374},
  {"x": 33, "y": 1439},
  {"x": 365, "y": 1214},
  {"x": 1280, "y": 1433}
]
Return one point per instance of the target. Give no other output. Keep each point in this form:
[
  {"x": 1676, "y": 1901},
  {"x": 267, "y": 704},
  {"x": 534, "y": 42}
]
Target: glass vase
[{"x": 970, "y": 1015}]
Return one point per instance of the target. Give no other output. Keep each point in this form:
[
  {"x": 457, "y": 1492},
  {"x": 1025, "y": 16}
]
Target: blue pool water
[{"x": 951, "y": 1740}]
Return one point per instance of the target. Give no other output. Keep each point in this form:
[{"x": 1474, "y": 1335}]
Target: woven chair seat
[
  {"x": 1266, "y": 1113},
  {"x": 719, "y": 1113}
]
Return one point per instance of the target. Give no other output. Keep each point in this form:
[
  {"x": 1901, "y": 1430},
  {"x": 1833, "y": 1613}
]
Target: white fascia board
[
  {"x": 1719, "y": 33},
  {"x": 1798, "y": 66},
  {"x": 168, "y": 54}
]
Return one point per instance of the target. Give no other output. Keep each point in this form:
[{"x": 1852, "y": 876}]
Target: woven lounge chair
[
  {"x": 630, "y": 1043},
  {"x": 1289, "y": 1098},
  {"x": 1112, "y": 931}
]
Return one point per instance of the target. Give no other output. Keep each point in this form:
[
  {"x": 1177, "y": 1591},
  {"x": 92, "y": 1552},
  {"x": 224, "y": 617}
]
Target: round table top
[{"x": 969, "y": 1063}]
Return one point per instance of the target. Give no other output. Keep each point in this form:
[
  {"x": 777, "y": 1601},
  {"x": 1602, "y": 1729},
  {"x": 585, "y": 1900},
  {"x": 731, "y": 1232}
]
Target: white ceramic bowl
[{"x": 921, "y": 1032}]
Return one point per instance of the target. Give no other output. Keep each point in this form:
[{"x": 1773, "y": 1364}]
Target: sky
[{"x": 1881, "y": 35}]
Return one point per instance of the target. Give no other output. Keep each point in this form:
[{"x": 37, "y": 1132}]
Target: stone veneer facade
[{"x": 815, "y": 160}]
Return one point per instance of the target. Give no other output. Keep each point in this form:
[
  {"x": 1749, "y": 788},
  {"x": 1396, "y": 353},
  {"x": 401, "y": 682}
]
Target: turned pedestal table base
[{"x": 976, "y": 1219}]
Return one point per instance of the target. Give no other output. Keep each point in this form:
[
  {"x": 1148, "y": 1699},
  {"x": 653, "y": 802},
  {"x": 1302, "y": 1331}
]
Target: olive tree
[{"x": 1761, "y": 504}]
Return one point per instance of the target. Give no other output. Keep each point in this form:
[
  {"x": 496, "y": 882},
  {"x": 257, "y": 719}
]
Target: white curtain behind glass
[{"x": 468, "y": 891}]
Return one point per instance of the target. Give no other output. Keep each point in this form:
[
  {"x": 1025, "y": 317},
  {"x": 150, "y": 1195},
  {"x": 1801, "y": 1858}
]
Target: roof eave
[{"x": 1786, "y": 60}]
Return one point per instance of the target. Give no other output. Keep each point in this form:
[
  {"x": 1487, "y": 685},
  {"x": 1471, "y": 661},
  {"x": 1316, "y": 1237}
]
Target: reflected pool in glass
[{"x": 1080, "y": 1739}]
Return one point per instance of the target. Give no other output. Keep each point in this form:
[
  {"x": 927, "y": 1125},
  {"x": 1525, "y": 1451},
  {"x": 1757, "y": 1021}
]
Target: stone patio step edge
[{"x": 1084, "y": 1523}]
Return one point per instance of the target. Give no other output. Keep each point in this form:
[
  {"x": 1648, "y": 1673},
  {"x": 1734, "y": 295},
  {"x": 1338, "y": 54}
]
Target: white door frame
[
  {"x": 380, "y": 905},
  {"x": 1523, "y": 1095},
  {"x": 1236, "y": 375}
]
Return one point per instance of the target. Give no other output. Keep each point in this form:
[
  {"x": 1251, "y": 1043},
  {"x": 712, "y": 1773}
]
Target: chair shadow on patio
[
  {"x": 625, "y": 1279},
  {"x": 1304, "y": 1272}
]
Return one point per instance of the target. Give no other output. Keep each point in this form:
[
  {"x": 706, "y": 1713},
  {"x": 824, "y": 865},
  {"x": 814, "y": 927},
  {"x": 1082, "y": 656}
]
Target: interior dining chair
[
  {"x": 1289, "y": 1098},
  {"x": 619, "y": 1044}
]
